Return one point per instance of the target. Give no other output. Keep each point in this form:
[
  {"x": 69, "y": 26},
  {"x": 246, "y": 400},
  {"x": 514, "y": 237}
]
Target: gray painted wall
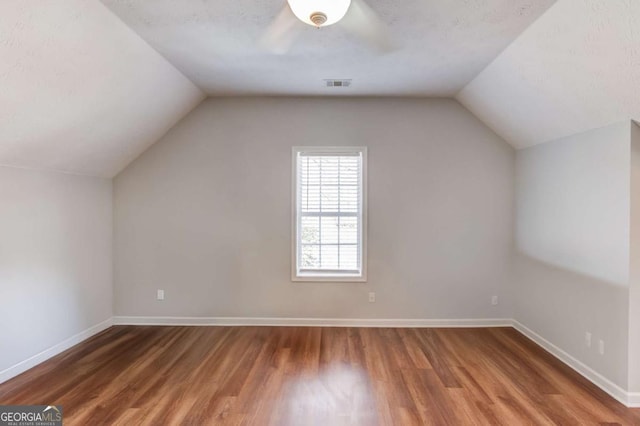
[
  {"x": 634, "y": 282},
  {"x": 55, "y": 259},
  {"x": 572, "y": 268},
  {"x": 205, "y": 213}
]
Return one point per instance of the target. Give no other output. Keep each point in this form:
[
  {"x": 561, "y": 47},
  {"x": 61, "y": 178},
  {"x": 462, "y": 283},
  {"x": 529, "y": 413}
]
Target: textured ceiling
[
  {"x": 576, "y": 68},
  {"x": 79, "y": 91},
  {"x": 442, "y": 45}
]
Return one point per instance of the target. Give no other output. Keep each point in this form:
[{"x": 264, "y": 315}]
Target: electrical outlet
[
  {"x": 494, "y": 300},
  {"x": 601, "y": 347},
  {"x": 587, "y": 339},
  {"x": 372, "y": 297},
  {"x": 160, "y": 294}
]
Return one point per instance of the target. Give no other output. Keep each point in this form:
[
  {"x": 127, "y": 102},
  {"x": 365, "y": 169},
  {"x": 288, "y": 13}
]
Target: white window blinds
[{"x": 329, "y": 212}]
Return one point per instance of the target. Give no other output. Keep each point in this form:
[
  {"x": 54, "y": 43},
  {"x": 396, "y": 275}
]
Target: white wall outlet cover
[
  {"x": 601, "y": 347},
  {"x": 372, "y": 297},
  {"x": 160, "y": 295},
  {"x": 494, "y": 300},
  {"x": 587, "y": 339}
]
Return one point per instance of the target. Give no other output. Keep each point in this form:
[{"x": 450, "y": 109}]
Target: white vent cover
[{"x": 338, "y": 83}]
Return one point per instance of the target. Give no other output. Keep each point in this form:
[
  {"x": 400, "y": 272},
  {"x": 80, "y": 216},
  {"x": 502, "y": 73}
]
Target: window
[{"x": 329, "y": 213}]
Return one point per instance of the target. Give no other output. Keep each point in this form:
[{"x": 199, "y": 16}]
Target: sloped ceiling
[
  {"x": 79, "y": 91},
  {"x": 442, "y": 45},
  {"x": 574, "y": 69}
]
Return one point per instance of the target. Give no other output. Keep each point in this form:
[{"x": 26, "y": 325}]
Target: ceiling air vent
[{"x": 338, "y": 83}]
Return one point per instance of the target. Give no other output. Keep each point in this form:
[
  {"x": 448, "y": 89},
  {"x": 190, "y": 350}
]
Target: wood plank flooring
[{"x": 313, "y": 376}]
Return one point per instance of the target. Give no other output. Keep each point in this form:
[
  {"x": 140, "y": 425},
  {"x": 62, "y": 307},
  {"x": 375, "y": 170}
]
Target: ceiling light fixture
[{"x": 319, "y": 13}]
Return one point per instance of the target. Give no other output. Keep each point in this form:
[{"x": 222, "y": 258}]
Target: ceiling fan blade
[
  {"x": 362, "y": 21},
  {"x": 281, "y": 33}
]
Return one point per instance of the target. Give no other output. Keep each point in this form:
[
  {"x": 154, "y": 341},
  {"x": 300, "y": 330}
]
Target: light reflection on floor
[{"x": 336, "y": 395}]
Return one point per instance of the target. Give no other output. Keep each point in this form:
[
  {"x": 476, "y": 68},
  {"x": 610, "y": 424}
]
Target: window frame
[{"x": 296, "y": 276}]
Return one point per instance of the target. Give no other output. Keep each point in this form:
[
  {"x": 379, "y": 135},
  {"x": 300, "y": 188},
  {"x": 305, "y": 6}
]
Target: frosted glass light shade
[{"x": 308, "y": 11}]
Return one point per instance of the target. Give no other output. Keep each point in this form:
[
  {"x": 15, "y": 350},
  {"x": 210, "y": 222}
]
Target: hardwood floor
[{"x": 313, "y": 376}]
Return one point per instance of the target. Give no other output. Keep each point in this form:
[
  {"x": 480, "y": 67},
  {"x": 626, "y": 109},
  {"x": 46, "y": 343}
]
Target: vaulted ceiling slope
[
  {"x": 574, "y": 69},
  {"x": 80, "y": 92},
  {"x": 441, "y": 45}
]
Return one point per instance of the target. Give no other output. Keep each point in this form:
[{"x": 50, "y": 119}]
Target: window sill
[{"x": 328, "y": 278}]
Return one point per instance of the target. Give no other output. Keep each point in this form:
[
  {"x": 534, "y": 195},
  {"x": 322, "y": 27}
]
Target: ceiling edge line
[
  {"x": 202, "y": 98},
  {"x": 528, "y": 28},
  {"x": 164, "y": 58},
  {"x": 52, "y": 170}
]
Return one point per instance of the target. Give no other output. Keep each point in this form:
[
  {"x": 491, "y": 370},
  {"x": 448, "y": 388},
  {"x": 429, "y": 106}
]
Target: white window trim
[{"x": 329, "y": 277}]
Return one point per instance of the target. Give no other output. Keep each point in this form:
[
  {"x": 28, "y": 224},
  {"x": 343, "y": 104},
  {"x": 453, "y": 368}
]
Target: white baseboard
[
  {"x": 618, "y": 393},
  {"x": 31, "y": 362},
  {"x": 313, "y": 322}
]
